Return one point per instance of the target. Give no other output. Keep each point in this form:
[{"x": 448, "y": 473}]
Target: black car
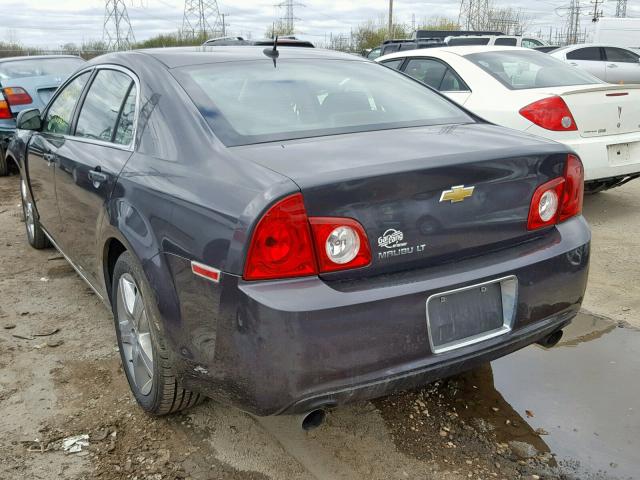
[{"x": 290, "y": 232}]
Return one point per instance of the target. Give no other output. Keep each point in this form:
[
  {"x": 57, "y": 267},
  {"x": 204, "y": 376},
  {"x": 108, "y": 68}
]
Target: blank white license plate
[{"x": 623, "y": 153}]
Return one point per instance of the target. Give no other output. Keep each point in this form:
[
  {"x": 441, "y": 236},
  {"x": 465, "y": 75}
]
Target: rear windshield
[
  {"x": 253, "y": 102},
  {"x": 521, "y": 69},
  {"x": 38, "y": 67}
]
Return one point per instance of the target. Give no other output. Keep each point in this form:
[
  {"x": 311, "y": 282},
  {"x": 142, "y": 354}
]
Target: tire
[
  {"x": 35, "y": 235},
  {"x": 4, "y": 164},
  {"x": 143, "y": 351}
]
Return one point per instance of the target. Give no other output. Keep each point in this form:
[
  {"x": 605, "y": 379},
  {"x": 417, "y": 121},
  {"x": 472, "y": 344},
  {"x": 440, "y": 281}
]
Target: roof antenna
[{"x": 273, "y": 53}]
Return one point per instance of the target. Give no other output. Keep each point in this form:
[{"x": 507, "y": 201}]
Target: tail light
[
  {"x": 17, "y": 96},
  {"x": 559, "y": 199},
  {"x": 286, "y": 243},
  {"x": 341, "y": 244},
  {"x": 551, "y": 114},
  {"x": 5, "y": 111}
]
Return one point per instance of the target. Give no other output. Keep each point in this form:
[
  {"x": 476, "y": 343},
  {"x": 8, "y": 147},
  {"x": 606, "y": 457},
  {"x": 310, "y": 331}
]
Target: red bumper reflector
[{"x": 204, "y": 271}]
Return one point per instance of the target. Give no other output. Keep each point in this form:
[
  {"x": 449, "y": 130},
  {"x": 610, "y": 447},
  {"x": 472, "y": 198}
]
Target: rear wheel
[
  {"x": 35, "y": 235},
  {"x": 4, "y": 164},
  {"x": 145, "y": 357}
]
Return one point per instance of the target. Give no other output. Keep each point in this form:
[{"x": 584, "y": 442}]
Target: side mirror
[{"x": 29, "y": 120}]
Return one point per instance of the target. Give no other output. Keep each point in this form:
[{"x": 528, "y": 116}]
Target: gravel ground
[{"x": 60, "y": 376}]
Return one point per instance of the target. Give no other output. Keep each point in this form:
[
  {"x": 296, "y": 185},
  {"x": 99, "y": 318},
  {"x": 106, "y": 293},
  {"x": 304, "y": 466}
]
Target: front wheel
[
  {"x": 35, "y": 235},
  {"x": 145, "y": 357}
]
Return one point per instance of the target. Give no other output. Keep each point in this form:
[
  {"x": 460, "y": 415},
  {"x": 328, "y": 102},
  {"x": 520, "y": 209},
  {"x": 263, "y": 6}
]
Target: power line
[
  {"x": 201, "y": 17},
  {"x": 117, "y": 33}
]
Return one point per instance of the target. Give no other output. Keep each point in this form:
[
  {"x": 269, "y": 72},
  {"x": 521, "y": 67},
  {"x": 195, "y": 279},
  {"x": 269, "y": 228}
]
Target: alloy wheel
[
  {"x": 135, "y": 335},
  {"x": 28, "y": 210}
]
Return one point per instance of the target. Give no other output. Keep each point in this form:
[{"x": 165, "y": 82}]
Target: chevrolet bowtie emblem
[{"x": 457, "y": 194}]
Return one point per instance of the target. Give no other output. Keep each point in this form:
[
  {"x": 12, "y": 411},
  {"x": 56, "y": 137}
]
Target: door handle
[
  {"x": 97, "y": 177},
  {"x": 50, "y": 159},
  {"x": 612, "y": 65},
  {"x": 573, "y": 64}
]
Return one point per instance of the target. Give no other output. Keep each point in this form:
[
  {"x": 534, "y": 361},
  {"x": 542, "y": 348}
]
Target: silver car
[{"x": 609, "y": 63}]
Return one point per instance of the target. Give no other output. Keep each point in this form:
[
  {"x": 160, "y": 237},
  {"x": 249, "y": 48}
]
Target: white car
[
  {"x": 533, "y": 92},
  {"x": 608, "y": 63}
]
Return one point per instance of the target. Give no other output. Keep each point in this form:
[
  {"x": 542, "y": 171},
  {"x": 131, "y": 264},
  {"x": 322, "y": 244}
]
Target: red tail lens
[
  {"x": 559, "y": 199},
  {"x": 281, "y": 245},
  {"x": 17, "y": 96},
  {"x": 341, "y": 243},
  {"x": 551, "y": 114},
  {"x": 571, "y": 204},
  {"x": 5, "y": 111}
]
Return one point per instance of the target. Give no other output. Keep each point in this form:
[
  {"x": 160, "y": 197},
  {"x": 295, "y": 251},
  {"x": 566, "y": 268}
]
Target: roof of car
[
  {"x": 183, "y": 56},
  {"x": 461, "y": 50},
  {"x": 37, "y": 57}
]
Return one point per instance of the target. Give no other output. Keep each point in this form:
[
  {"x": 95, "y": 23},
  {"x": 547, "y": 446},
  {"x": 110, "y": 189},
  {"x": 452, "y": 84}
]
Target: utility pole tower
[
  {"x": 573, "y": 22},
  {"x": 117, "y": 33},
  {"x": 474, "y": 14},
  {"x": 621, "y": 9},
  {"x": 289, "y": 18},
  {"x": 596, "y": 13},
  {"x": 201, "y": 18}
]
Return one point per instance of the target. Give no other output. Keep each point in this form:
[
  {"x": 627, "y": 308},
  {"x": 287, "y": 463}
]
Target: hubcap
[
  {"x": 133, "y": 325},
  {"x": 28, "y": 210}
]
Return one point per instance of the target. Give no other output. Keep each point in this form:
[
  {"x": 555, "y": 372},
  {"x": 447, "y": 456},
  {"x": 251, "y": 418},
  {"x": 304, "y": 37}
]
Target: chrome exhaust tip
[{"x": 313, "y": 419}]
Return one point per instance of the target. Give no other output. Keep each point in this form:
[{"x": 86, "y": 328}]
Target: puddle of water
[{"x": 585, "y": 393}]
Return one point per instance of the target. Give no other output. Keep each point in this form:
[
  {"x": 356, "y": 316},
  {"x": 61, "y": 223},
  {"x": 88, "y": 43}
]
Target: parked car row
[{"x": 290, "y": 230}]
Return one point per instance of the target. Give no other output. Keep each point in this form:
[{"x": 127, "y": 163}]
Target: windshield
[
  {"x": 520, "y": 70},
  {"x": 253, "y": 102},
  {"x": 39, "y": 67}
]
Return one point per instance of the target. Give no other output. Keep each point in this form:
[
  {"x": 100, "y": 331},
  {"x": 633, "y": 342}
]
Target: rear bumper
[
  {"x": 594, "y": 155},
  {"x": 289, "y": 346}
]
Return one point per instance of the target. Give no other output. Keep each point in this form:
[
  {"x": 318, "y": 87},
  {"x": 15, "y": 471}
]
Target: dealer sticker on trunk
[{"x": 393, "y": 241}]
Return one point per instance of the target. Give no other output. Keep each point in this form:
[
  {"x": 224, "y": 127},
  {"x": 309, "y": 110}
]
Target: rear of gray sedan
[
  {"x": 418, "y": 241},
  {"x": 29, "y": 82}
]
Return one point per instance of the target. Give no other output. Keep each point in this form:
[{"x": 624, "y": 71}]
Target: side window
[
  {"x": 452, "y": 83},
  {"x": 620, "y": 55},
  {"x": 506, "y": 42},
  {"x": 588, "y": 53},
  {"x": 102, "y": 105},
  {"x": 124, "y": 130},
  {"x": 427, "y": 71},
  {"x": 58, "y": 117},
  {"x": 395, "y": 64},
  {"x": 531, "y": 43}
]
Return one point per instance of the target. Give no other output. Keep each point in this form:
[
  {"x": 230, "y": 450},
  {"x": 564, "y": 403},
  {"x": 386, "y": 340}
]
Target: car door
[
  {"x": 438, "y": 75},
  {"x": 102, "y": 143},
  {"x": 622, "y": 66},
  {"x": 44, "y": 147},
  {"x": 590, "y": 59}
]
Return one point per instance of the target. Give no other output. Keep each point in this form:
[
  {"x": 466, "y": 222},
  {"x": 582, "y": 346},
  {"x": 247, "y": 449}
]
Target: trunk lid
[
  {"x": 604, "y": 109},
  {"x": 399, "y": 184}
]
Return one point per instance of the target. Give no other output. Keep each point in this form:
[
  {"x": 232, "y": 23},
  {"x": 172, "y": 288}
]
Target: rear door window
[
  {"x": 436, "y": 74},
  {"x": 395, "y": 64},
  {"x": 531, "y": 43},
  {"x": 620, "y": 55},
  {"x": 103, "y": 106},
  {"x": 587, "y": 53},
  {"x": 58, "y": 118}
]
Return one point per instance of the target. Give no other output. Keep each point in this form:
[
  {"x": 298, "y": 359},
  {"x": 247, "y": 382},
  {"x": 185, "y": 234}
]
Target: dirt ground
[{"x": 60, "y": 376}]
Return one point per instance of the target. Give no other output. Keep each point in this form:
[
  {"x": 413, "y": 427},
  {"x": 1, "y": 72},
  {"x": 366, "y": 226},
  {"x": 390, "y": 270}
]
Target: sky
[{"x": 51, "y": 23}]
